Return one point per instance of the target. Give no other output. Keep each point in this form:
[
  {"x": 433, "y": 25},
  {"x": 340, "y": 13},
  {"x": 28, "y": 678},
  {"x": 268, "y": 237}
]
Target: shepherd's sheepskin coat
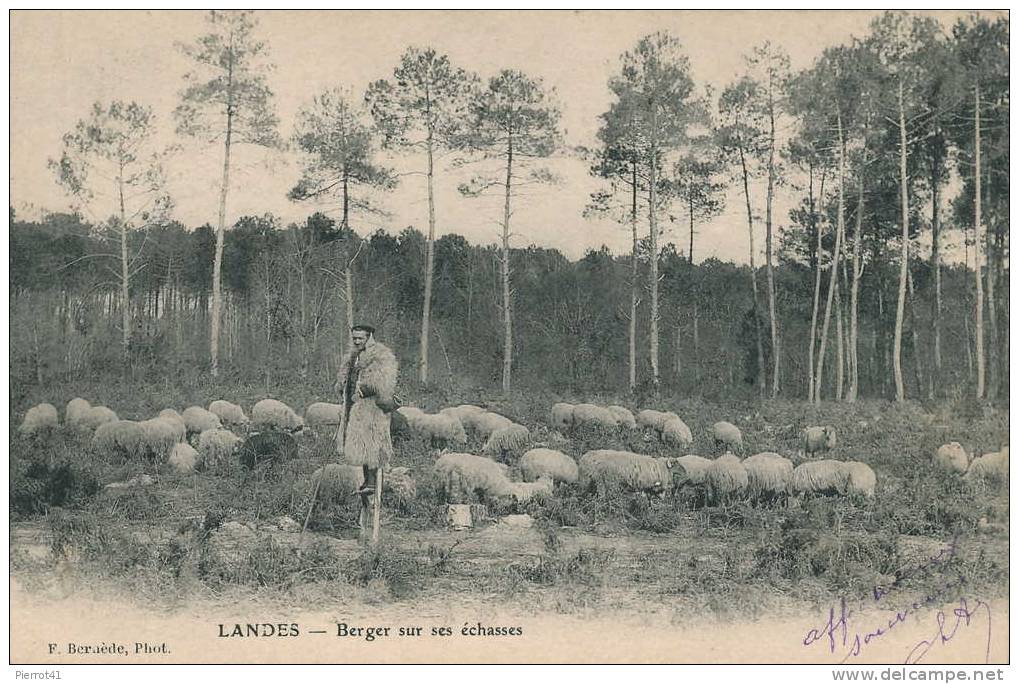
[{"x": 363, "y": 437}]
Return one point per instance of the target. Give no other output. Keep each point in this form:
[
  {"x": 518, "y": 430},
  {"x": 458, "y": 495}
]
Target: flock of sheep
[
  {"x": 203, "y": 438},
  {"x": 466, "y": 476}
]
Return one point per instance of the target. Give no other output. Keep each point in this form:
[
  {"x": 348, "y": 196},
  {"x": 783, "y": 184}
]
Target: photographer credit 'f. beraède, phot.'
[{"x": 509, "y": 336}]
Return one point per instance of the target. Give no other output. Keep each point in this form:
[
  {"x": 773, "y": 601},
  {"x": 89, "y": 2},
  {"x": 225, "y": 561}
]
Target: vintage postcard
[{"x": 509, "y": 337}]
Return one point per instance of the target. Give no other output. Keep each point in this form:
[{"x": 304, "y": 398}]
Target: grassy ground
[{"x": 179, "y": 540}]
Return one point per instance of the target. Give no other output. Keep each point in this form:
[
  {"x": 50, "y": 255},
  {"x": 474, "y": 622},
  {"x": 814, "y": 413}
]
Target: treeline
[
  {"x": 286, "y": 312},
  {"x": 890, "y": 142}
]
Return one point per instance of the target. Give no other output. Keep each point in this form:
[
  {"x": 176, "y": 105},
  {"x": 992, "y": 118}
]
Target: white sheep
[
  {"x": 726, "y": 476},
  {"x": 862, "y": 480},
  {"x": 727, "y": 436},
  {"x": 952, "y": 457},
  {"x": 821, "y": 477},
  {"x": 768, "y": 474},
  {"x": 562, "y": 415},
  {"x": 38, "y": 418},
  {"x": 695, "y": 467},
  {"x": 605, "y": 469},
  {"x": 217, "y": 446},
  {"x": 228, "y": 413},
  {"x": 991, "y": 467},
  {"x": 484, "y": 424},
  {"x": 160, "y": 436},
  {"x": 96, "y": 416},
  {"x": 411, "y": 413},
  {"x": 323, "y": 414},
  {"x": 462, "y": 411},
  {"x": 336, "y": 482},
  {"x": 675, "y": 432},
  {"x": 593, "y": 416},
  {"x": 525, "y": 491},
  {"x": 818, "y": 439},
  {"x": 466, "y": 475},
  {"x": 623, "y": 416},
  {"x": 197, "y": 419},
  {"x": 649, "y": 418},
  {"x": 507, "y": 440},
  {"x": 76, "y": 410},
  {"x": 439, "y": 428},
  {"x": 172, "y": 416},
  {"x": 271, "y": 413},
  {"x": 183, "y": 458},
  {"x": 536, "y": 463},
  {"x": 125, "y": 437}
]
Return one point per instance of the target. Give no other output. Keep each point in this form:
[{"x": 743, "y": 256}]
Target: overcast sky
[{"x": 63, "y": 62}]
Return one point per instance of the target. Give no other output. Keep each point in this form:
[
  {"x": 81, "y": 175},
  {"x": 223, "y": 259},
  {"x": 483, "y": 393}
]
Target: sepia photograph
[{"x": 476, "y": 336}]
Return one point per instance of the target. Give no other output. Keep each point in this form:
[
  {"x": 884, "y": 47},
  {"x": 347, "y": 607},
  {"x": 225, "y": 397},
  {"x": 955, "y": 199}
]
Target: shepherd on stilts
[{"x": 367, "y": 382}]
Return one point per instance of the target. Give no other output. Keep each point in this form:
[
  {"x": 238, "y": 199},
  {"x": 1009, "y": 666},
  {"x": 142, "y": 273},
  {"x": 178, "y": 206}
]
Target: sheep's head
[{"x": 829, "y": 437}]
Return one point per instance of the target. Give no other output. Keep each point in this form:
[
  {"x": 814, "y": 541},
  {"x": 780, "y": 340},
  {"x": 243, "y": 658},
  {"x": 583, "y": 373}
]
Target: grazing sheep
[
  {"x": 484, "y": 424},
  {"x": 862, "y": 480},
  {"x": 820, "y": 477},
  {"x": 124, "y": 437},
  {"x": 270, "y": 413},
  {"x": 695, "y": 467},
  {"x": 76, "y": 410},
  {"x": 562, "y": 415},
  {"x": 197, "y": 419},
  {"x": 271, "y": 446},
  {"x": 952, "y": 457},
  {"x": 323, "y": 414},
  {"x": 96, "y": 416},
  {"x": 161, "y": 434},
  {"x": 411, "y": 413},
  {"x": 38, "y": 418},
  {"x": 605, "y": 468},
  {"x": 400, "y": 484},
  {"x": 590, "y": 415},
  {"x": 217, "y": 446},
  {"x": 817, "y": 439},
  {"x": 649, "y": 418},
  {"x": 675, "y": 432},
  {"x": 525, "y": 491},
  {"x": 727, "y": 436},
  {"x": 439, "y": 429},
  {"x": 464, "y": 476},
  {"x": 623, "y": 416},
  {"x": 183, "y": 458},
  {"x": 462, "y": 411},
  {"x": 555, "y": 464},
  {"x": 768, "y": 474},
  {"x": 337, "y": 482},
  {"x": 228, "y": 413},
  {"x": 174, "y": 417},
  {"x": 511, "y": 439},
  {"x": 726, "y": 476},
  {"x": 991, "y": 467}
]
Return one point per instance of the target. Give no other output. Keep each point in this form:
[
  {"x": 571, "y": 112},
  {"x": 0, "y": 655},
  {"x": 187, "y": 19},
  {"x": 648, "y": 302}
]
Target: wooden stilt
[{"x": 377, "y": 507}]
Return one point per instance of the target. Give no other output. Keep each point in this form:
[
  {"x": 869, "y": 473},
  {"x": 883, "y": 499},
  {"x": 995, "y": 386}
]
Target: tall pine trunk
[
  {"x": 914, "y": 335},
  {"x": 430, "y": 265},
  {"x": 507, "y": 355},
  {"x": 775, "y": 350},
  {"x": 977, "y": 246},
  {"x": 217, "y": 264},
  {"x": 653, "y": 271},
  {"x": 125, "y": 294},
  {"x": 753, "y": 277},
  {"x": 634, "y": 274},
  {"x": 817, "y": 283},
  {"x": 993, "y": 383},
  {"x": 936, "y": 266},
  {"x": 836, "y": 252},
  {"x": 900, "y": 310},
  {"x": 840, "y": 346},
  {"x": 854, "y": 295}
]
